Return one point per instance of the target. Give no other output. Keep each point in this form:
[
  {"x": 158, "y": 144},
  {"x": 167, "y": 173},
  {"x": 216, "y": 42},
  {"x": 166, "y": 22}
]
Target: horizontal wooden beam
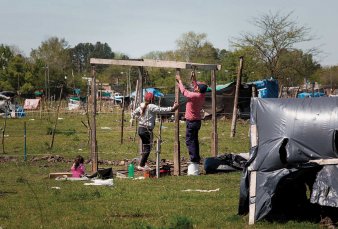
[{"x": 156, "y": 63}]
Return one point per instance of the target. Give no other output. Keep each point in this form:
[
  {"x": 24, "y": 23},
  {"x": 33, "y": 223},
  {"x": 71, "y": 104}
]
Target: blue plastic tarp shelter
[
  {"x": 310, "y": 94},
  {"x": 267, "y": 88}
]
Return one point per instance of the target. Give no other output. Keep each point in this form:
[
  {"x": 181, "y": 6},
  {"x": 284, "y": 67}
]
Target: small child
[{"x": 78, "y": 169}]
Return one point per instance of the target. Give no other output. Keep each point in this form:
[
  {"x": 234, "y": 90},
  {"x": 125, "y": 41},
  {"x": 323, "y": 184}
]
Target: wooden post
[
  {"x": 100, "y": 93},
  {"x": 134, "y": 104},
  {"x": 253, "y": 91},
  {"x": 140, "y": 99},
  {"x": 41, "y": 103},
  {"x": 252, "y": 197},
  {"x": 3, "y": 133},
  {"x": 158, "y": 145},
  {"x": 238, "y": 84},
  {"x": 122, "y": 118},
  {"x": 280, "y": 94},
  {"x": 94, "y": 153},
  {"x": 214, "y": 143},
  {"x": 56, "y": 119},
  {"x": 177, "y": 149}
]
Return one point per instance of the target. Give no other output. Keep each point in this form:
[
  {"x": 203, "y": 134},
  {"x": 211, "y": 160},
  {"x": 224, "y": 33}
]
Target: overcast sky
[{"x": 137, "y": 27}]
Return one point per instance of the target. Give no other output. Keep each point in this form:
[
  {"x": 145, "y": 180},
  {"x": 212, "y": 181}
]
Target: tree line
[{"x": 268, "y": 52}]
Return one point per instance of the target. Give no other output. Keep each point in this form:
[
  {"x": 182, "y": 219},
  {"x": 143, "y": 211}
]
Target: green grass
[{"x": 28, "y": 199}]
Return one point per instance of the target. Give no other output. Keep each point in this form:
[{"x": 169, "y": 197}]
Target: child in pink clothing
[{"x": 78, "y": 169}]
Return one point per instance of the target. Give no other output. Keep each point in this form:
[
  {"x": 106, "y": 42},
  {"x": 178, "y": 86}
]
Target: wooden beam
[{"x": 157, "y": 64}]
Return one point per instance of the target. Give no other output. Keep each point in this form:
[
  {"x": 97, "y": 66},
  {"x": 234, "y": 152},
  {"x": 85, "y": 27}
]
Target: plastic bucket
[{"x": 193, "y": 169}]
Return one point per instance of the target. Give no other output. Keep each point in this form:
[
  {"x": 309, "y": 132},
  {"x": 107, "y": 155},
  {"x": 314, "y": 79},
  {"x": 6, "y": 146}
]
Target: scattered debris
[
  {"x": 100, "y": 182},
  {"x": 55, "y": 187},
  {"x": 105, "y": 128},
  {"x": 200, "y": 190},
  {"x": 72, "y": 178},
  {"x": 61, "y": 174}
]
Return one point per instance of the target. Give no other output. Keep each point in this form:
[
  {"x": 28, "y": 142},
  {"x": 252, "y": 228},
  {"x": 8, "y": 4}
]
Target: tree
[
  {"x": 276, "y": 34},
  {"x": 53, "y": 55},
  {"x": 192, "y": 47},
  {"x": 252, "y": 69},
  {"x": 82, "y": 53},
  {"x": 300, "y": 67}
]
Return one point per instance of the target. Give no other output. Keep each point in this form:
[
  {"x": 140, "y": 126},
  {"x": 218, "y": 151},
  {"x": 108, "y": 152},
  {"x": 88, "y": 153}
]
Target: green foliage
[
  {"x": 27, "y": 88},
  {"x": 6, "y": 86},
  {"x": 276, "y": 34},
  {"x": 270, "y": 52}
]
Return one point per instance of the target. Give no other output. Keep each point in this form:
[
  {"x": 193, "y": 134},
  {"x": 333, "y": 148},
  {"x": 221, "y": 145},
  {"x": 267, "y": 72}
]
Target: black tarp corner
[{"x": 289, "y": 134}]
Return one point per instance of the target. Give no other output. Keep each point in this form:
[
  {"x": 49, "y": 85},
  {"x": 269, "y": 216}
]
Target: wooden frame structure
[{"x": 141, "y": 63}]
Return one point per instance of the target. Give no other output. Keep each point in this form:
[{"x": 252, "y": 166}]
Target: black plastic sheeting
[
  {"x": 225, "y": 163},
  {"x": 291, "y": 132}
]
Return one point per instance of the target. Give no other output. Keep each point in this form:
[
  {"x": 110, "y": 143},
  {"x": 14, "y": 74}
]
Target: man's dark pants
[{"x": 191, "y": 140}]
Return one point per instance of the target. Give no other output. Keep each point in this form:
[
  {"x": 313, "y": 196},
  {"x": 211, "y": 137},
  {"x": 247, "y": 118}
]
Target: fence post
[{"x": 25, "y": 141}]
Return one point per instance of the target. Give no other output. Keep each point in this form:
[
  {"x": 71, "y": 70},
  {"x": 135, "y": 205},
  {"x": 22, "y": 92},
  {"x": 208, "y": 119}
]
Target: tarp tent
[
  {"x": 310, "y": 94},
  {"x": 31, "y": 104},
  {"x": 286, "y": 136},
  {"x": 267, "y": 88}
]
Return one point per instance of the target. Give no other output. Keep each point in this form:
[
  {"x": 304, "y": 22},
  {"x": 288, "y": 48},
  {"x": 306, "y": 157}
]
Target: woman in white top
[{"x": 146, "y": 114}]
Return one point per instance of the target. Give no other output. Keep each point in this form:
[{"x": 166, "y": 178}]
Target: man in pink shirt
[{"x": 195, "y": 102}]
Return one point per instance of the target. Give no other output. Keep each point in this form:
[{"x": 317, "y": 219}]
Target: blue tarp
[
  {"x": 310, "y": 94},
  {"x": 155, "y": 91},
  {"x": 267, "y": 88}
]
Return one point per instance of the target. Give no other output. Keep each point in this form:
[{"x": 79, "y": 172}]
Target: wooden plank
[
  {"x": 332, "y": 161},
  {"x": 156, "y": 63},
  {"x": 60, "y": 174},
  {"x": 252, "y": 197}
]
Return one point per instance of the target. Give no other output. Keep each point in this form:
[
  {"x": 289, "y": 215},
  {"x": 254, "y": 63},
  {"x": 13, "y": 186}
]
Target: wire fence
[{"x": 31, "y": 135}]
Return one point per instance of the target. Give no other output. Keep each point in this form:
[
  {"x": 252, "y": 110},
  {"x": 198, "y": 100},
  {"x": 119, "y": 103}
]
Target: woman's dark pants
[{"x": 146, "y": 136}]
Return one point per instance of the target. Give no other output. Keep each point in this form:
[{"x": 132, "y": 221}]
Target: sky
[{"x": 137, "y": 27}]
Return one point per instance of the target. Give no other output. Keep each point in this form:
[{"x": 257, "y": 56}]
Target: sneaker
[{"x": 146, "y": 167}]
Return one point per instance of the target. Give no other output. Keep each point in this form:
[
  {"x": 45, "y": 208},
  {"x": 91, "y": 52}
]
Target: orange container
[{"x": 146, "y": 174}]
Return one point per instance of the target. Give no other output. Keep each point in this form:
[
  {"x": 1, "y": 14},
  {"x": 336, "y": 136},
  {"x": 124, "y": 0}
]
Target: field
[{"x": 29, "y": 199}]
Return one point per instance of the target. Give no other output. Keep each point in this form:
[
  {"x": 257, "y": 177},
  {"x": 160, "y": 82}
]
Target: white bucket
[{"x": 193, "y": 169}]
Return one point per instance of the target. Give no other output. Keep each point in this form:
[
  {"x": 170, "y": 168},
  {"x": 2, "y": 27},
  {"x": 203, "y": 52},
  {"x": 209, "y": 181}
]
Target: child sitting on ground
[{"x": 78, "y": 169}]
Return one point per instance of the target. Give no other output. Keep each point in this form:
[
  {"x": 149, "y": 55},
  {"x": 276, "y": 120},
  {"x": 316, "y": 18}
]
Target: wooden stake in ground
[
  {"x": 134, "y": 106},
  {"x": 3, "y": 131},
  {"x": 122, "y": 118},
  {"x": 238, "y": 84},
  {"x": 56, "y": 119},
  {"x": 158, "y": 145}
]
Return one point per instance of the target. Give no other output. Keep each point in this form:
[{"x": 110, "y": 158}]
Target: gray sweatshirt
[{"x": 147, "y": 119}]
